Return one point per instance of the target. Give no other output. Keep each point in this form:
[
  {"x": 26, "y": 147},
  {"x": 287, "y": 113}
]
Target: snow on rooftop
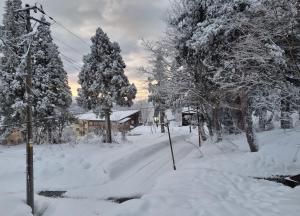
[
  {"x": 124, "y": 120},
  {"x": 115, "y": 116},
  {"x": 188, "y": 110}
]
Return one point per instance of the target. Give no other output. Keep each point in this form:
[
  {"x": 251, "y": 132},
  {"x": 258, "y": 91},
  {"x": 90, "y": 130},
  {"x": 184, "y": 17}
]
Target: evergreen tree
[
  {"x": 52, "y": 95},
  {"x": 157, "y": 86},
  {"x": 233, "y": 52},
  {"x": 12, "y": 67},
  {"x": 103, "y": 81}
]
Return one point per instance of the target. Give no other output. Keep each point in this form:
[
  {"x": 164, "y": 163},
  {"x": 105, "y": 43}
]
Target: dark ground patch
[
  {"x": 123, "y": 199},
  {"x": 290, "y": 181},
  {"x": 52, "y": 194},
  {"x": 135, "y": 134}
]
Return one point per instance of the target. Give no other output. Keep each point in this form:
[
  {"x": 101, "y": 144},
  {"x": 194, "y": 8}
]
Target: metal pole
[
  {"x": 29, "y": 144},
  {"x": 199, "y": 129},
  {"x": 172, "y": 153},
  {"x": 190, "y": 119}
]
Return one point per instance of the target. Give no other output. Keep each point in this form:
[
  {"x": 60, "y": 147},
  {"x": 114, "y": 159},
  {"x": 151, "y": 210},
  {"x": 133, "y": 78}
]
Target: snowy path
[{"x": 137, "y": 172}]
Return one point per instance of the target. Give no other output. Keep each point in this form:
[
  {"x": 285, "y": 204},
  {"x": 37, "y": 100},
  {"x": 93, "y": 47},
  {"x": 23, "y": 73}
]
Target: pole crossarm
[
  {"x": 39, "y": 21},
  {"x": 27, "y": 8}
]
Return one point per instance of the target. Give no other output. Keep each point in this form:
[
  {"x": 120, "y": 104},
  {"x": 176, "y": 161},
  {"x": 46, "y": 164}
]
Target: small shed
[{"x": 188, "y": 115}]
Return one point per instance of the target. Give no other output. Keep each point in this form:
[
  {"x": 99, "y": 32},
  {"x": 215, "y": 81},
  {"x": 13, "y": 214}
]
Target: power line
[
  {"x": 77, "y": 68},
  {"x": 67, "y": 45},
  {"x": 63, "y": 26},
  {"x": 71, "y": 60},
  {"x": 75, "y": 35}
]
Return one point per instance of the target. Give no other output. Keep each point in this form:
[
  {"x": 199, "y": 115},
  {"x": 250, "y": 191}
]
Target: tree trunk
[
  {"x": 50, "y": 138},
  {"x": 162, "y": 120},
  {"x": 209, "y": 125},
  {"x": 203, "y": 135},
  {"x": 247, "y": 115},
  {"x": 286, "y": 120},
  {"x": 217, "y": 124},
  {"x": 227, "y": 121},
  {"x": 240, "y": 123},
  {"x": 262, "y": 119},
  {"x": 108, "y": 127}
]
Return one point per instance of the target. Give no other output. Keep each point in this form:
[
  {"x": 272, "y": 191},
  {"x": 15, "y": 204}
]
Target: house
[
  {"x": 120, "y": 120},
  {"x": 15, "y": 137}
]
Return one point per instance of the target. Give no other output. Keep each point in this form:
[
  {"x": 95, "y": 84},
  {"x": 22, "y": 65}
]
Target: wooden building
[
  {"x": 122, "y": 121},
  {"x": 14, "y": 138}
]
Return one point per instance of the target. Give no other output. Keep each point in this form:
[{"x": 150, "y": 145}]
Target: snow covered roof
[
  {"x": 124, "y": 120},
  {"x": 189, "y": 110},
  {"x": 115, "y": 116}
]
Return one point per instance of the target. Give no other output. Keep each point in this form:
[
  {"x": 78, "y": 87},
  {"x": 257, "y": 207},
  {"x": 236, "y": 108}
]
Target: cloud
[{"x": 125, "y": 21}]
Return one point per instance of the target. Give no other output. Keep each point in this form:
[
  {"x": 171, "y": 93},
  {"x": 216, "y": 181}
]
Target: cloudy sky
[{"x": 125, "y": 21}]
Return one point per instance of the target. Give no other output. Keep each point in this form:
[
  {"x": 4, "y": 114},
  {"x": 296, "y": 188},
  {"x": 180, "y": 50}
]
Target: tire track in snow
[
  {"x": 137, "y": 172},
  {"x": 145, "y": 172}
]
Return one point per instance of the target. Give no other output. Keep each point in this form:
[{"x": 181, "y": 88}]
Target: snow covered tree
[
  {"x": 284, "y": 25},
  {"x": 13, "y": 37},
  {"x": 52, "y": 94},
  {"x": 188, "y": 21},
  {"x": 103, "y": 81},
  {"x": 157, "y": 86},
  {"x": 237, "y": 55}
]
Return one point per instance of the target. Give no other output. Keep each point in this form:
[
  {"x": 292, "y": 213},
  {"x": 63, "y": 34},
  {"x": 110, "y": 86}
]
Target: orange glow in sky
[{"x": 142, "y": 92}]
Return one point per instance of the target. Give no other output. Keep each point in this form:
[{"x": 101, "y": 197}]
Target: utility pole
[
  {"x": 29, "y": 143},
  {"x": 28, "y": 96}
]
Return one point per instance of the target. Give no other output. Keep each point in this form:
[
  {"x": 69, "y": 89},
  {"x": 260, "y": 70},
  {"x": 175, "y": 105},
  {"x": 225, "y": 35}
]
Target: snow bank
[
  {"x": 222, "y": 183},
  {"x": 13, "y": 205}
]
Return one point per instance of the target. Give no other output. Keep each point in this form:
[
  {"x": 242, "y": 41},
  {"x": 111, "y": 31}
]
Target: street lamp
[{"x": 156, "y": 120}]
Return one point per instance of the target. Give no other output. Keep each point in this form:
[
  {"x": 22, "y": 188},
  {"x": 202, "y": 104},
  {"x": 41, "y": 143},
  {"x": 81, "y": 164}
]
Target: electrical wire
[
  {"x": 67, "y": 45},
  {"x": 63, "y": 26}
]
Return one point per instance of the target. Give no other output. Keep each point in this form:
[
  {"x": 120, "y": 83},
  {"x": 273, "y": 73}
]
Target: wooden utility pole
[
  {"x": 28, "y": 96},
  {"x": 29, "y": 143}
]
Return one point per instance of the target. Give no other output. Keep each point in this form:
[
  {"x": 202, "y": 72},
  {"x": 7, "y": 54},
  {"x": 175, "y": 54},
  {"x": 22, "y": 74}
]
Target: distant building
[
  {"x": 188, "y": 115},
  {"x": 120, "y": 121},
  {"x": 14, "y": 138}
]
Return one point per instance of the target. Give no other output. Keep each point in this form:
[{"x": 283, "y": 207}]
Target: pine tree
[
  {"x": 231, "y": 52},
  {"x": 52, "y": 95},
  {"x": 12, "y": 106},
  {"x": 103, "y": 81},
  {"x": 157, "y": 86}
]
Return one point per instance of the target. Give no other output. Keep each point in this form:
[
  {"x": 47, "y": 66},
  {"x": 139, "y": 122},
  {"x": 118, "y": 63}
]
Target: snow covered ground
[{"x": 216, "y": 181}]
